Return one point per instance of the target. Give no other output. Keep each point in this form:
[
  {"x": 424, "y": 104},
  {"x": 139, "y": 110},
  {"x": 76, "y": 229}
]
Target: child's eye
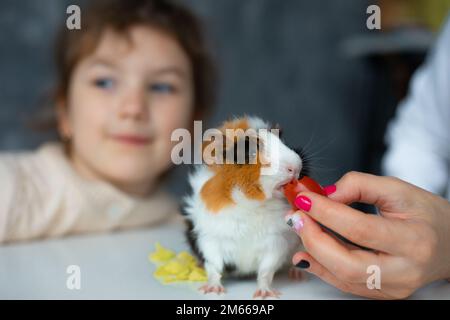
[
  {"x": 104, "y": 83},
  {"x": 162, "y": 88}
]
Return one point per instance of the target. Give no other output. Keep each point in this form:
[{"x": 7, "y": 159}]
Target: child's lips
[{"x": 132, "y": 139}]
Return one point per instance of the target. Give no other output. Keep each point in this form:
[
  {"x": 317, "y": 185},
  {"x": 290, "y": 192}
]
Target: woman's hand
[{"x": 411, "y": 238}]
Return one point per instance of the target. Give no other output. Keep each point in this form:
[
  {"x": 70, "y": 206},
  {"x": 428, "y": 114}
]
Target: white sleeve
[
  {"x": 22, "y": 196},
  {"x": 6, "y": 196},
  {"x": 8, "y": 179},
  {"x": 418, "y": 138}
]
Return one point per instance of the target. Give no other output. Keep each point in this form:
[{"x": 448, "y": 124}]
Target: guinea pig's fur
[{"x": 235, "y": 214}]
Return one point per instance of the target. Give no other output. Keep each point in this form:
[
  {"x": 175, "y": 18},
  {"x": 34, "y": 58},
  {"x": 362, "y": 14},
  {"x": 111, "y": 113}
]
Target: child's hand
[{"x": 411, "y": 238}]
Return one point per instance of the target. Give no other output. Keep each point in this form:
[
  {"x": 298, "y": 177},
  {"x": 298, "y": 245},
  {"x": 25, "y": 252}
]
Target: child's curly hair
[{"x": 120, "y": 15}]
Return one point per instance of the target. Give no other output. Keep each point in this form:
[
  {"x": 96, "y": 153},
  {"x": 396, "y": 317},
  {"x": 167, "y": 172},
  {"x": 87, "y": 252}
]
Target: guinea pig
[{"x": 235, "y": 213}]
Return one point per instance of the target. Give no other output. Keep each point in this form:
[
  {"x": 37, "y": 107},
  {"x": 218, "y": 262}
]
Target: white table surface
[{"x": 116, "y": 266}]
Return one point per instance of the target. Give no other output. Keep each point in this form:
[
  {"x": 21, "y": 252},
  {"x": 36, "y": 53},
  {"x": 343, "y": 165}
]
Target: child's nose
[{"x": 134, "y": 106}]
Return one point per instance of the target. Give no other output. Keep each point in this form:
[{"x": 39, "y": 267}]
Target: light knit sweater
[{"x": 42, "y": 196}]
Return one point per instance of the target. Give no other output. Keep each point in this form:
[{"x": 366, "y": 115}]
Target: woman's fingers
[
  {"x": 366, "y": 230},
  {"x": 381, "y": 192},
  {"x": 307, "y": 262},
  {"x": 303, "y": 258},
  {"x": 330, "y": 252}
]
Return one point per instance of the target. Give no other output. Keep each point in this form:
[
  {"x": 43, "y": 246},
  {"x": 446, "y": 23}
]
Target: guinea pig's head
[
  {"x": 251, "y": 157},
  {"x": 278, "y": 163}
]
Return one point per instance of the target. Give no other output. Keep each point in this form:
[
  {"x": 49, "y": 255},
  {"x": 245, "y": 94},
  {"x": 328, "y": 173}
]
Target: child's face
[{"x": 123, "y": 103}]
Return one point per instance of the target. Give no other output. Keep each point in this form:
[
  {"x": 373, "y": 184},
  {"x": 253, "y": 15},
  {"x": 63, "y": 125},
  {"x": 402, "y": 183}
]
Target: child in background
[{"x": 135, "y": 71}]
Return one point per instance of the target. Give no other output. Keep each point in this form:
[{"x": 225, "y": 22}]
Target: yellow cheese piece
[
  {"x": 172, "y": 267},
  {"x": 197, "y": 274},
  {"x": 161, "y": 254},
  {"x": 186, "y": 257}
]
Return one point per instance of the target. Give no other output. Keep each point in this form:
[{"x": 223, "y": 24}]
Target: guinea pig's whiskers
[
  {"x": 311, "y": 159},
  {"x": 321, "y": 148}
]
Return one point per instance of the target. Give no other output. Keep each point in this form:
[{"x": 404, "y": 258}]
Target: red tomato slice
[{"x": 304, "y": 184}]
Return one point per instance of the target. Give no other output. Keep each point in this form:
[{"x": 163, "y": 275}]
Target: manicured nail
[
  {"x": 330, "y": 189},
  {"x": 295, "y": 221},
  {"x": 303, "y": 264},
  {"x": 303, "y": 203}
]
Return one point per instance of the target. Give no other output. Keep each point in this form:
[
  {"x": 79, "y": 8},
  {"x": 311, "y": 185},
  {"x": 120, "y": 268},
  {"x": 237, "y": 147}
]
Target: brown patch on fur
[
  {"x": 232, "y": 124},
  {"x": 235, "y": 124},
  {"x": 217, "y": 191}
]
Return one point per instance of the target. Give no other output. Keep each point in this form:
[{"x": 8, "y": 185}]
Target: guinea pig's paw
[
  {"x": 214, "y": 288},
  {"x": 296, "y": 274},
  {"x": 266, "y": 293}
]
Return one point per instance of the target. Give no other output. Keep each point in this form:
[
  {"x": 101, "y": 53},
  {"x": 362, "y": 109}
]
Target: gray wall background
[{"x": 279, "y": 59}]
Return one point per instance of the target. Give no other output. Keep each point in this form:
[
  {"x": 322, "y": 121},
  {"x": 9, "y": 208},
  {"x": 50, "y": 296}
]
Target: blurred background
[{"x": 311, "y": 66}]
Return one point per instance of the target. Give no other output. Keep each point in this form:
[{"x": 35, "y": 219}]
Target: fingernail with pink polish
[
  {"x": 303, "y": 203},
  {"x": 296, "y": 222},
  {"x": 330, "y": 189}
]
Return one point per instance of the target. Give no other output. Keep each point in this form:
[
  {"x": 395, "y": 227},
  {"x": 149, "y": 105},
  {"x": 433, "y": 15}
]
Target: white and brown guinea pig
[{"x": 235, "y": 214}]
